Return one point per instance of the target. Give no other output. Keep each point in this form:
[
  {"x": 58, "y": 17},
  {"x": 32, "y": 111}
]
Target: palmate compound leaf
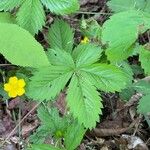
[
  {"x": 20, "y": 48},
  {"x": 84, "y": 101},
  {"x": 61, "y": 36},
  {"x": 124, "y": 27},
  {"x": 51, "y": 125},
  {"x": 144, "y": 105},
  {"x": 61, "y": 7},
  {"x": 144, "y": 57},
  {"x": 31, "y": 16},
  {"x": 47, "y": 82},
  {"x": 106, "y": 77},
  {"x": 86, "y": 54},
  {"x": 74, "y": 135},
  {"x": 52, "y": 120},
  {"x": 9, "y": 4}
]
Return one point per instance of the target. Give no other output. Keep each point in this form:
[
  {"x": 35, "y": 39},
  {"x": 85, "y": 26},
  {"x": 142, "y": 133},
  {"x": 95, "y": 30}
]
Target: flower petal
[
  {"x": 12, "y": 94},
  {"x": 13, "y": 80},
  {"x": 20, "y": 91},
  {"x": 21, "y": 83},
  {"x": 7, "y": 87}
]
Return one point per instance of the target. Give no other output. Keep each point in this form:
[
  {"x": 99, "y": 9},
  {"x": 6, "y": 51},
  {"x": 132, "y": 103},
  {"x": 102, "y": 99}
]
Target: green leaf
[
  {"x": 9, "y": 4},
  {"x": 20, "y": 48},
  {"x": 91, "y": 28},
  {"x": 61, "y": 7},
  {"x": 124, "y": 66},
  {"x": 51, "y": 119},
  {"x": 6, "y": 17},
  {"x": 126, "y": 94},
  {"x": 106, "y": 77},
  {"x": 74, "y": 135},
  {"x": 128, "y": 25},
  {"x": 144, "y": 57},
  {"x": 84, "y": 101},
  {"x": 142, "y": 87},
  {"x": 31, "y": 16},
  {"x": 61, "y": 36},
  {"x": 121, "y": 5},
  {"x": 47, "y": 82},
  {"x": 86, "y": 54},
  {"x": 59, "y": 57},
  {"x": 43, "y": 147},
  {"x": 144, "y": 105},
  {"x": 40, "y": 135}
]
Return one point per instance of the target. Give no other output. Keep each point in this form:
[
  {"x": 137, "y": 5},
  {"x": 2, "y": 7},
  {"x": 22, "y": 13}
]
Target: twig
[
  {"x": 111, "y": 132},
  {"x": 93, "y": 13},
  {"x": 11, "y": 133}
]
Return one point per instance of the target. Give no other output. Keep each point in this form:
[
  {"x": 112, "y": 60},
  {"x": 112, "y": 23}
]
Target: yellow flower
[
  {"x": 85, "y": 40},
  {"x": 15, "y": 87}
]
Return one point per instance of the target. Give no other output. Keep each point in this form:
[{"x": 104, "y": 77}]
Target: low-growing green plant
[
  {"x": 63, "y": 66},
  {"x": 78, "y": 70}
]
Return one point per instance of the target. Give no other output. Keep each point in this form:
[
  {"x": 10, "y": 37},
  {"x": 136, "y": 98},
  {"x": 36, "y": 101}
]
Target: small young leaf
[
  {"x": 47, "y": 82},
  {"x": 23, "y": 49},
  {"x": 86, "y": 54},
  {"x": 61, "y": 36},
  {"x": 84, "y": 101},
  {"x": 61, "y": 7},
  {"x": 144, "y": 105},
  {"x": 31, "y": 16},
  {"x": 74, "y": 135}
]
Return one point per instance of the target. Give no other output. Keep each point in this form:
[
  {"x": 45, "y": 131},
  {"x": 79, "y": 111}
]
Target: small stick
[{"x": 11, "y": 133}]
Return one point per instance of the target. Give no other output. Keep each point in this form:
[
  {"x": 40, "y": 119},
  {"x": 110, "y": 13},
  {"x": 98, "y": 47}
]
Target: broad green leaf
[
  {"x": 144, "y": 57},
  {"x": 74, "y": 135},
  {"x": 123, "y": 5},
  {"x": 59, "y": 57},
  {"x": 86, "y": 54},
  {"x": 47, "y": 82},
  {"x": 43, "y": 147},
  {"x": 84, "y": 101},
  {"x": 61, "y": 7},
  {"x": 144, "y": 105},
  {"x": 31, "y": 16},
  {"x": 142, "y": 87},
  {"x": 20, "y": 48},
  {"x": 128, "y": 25},
  {"x": 61, "y": 36},
  {"x": 9, "y": 4},
  {"x": 105, "y": 77},
  {"x": 6, "y": 17},
  {"x": 147, "y": 6}
]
